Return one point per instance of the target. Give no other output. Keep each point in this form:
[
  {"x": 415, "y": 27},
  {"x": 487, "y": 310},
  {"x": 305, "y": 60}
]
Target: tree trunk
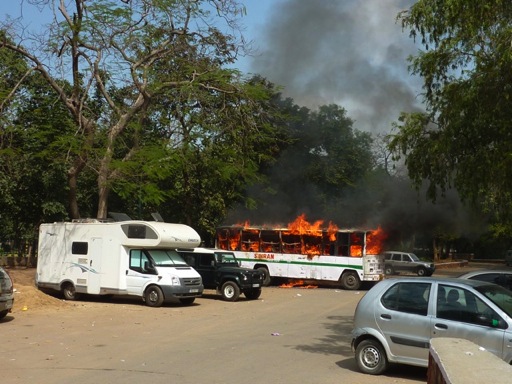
[
  {"x": 74, "y": 212},
  {"x": 103, "y": 192}
]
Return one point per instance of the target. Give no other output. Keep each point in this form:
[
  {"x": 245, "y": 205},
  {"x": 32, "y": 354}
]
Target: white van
[{"x": 136, "y": 258}]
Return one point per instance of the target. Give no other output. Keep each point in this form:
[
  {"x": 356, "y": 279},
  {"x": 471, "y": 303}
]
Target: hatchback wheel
[{"x": 371, "y": 357}]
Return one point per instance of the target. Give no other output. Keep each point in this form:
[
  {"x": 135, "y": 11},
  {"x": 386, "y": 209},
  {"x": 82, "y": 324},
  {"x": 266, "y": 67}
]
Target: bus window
[
  {"x": 291, "y": 243},
  {"x": 356, "y": 244},
  {"x": 250, "y": 240},
  {"x": 343, "y": 244},
  {"x": 270, "y": 241}
]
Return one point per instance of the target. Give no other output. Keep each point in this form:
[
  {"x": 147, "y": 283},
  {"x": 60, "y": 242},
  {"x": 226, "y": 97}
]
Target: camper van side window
[
  {"x": 139, "y": 231},
  {"x": 138, "y": 260},
  {"x": 79, "y": 248}
]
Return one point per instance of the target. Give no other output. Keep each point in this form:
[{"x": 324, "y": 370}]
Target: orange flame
[
  {"x": 374, "y": 241},
  {"x": 301, "y": 226},
  {"x": 300, "y": 237},
  {"x": 298, "y": 284}
]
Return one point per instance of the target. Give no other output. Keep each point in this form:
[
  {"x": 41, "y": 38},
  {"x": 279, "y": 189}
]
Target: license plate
[
  {"x": 194, "y": 290},
  {"x": 255, "y": 285}
]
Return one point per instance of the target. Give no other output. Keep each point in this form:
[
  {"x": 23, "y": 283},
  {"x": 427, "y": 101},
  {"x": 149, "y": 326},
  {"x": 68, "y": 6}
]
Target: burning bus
[{"x": 307, "y": 251}]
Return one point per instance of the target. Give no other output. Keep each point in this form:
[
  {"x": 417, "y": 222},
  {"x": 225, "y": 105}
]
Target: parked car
[
  {"x": 396, "y": 319},
  {"x": 221, "y": 271},
  {"x": 508, "y": 258},
  {"x": 498, "y": 276},
  {"x": 6, "y": 293},
  {"x": 396, "y": 262}
]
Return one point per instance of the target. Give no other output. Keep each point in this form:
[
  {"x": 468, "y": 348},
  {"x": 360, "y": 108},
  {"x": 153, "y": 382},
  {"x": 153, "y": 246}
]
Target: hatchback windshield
[
  {"x": 166, "y": 257},
  {"x": 499, "y": 296}
]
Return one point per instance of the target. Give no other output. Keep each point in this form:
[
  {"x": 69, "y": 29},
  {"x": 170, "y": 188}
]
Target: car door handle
[
  {"x": 441, "y": 326},
  {"x": 385, "y": 316}
]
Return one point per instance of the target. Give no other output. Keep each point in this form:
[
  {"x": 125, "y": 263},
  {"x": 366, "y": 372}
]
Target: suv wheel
[
  {"x": 421, "y": 271},
  {"x": 230, "y": 291},
  {"x": 389, "y": 270},
  {"x": 370, "y": 357},
  {"x": 252, "y": 294}
]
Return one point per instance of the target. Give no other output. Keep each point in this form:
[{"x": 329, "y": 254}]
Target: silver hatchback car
[
  {"x": 6, "y": 293},
  {"x": 395, "y": 320}
]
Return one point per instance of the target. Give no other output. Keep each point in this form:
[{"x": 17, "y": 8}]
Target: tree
[
  {"x": 112, "y": 53},
  {"x": 31, "y": 178},
  {"x": 464, "y": 137}
]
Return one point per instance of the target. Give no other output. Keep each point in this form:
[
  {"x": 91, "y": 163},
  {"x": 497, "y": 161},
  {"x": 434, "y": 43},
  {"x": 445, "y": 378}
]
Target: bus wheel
[
  {"x": 350, "y": 280},
  {"x": 154, "y": 297},
  {"x": 266, "y": 276},
  {"x": 69, "y": 292}
]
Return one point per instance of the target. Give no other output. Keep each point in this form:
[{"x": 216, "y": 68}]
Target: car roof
[
  {"x": 448, "y": 280},
  {"x": 485, "y": 271}
]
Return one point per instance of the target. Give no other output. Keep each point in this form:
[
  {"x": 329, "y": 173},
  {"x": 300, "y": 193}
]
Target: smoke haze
[
  {"x": 351, "y": 53},
  {"x": 354, "y": 54}
]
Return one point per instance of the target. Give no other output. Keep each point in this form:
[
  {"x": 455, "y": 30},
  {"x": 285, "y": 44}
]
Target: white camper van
[{"x": 118, "y": 258}]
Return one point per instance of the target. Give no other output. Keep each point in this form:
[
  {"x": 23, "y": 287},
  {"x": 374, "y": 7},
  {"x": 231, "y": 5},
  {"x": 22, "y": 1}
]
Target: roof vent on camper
[
  {"x": 119, "y": 216},
  {"x": 157, "y": 217}
]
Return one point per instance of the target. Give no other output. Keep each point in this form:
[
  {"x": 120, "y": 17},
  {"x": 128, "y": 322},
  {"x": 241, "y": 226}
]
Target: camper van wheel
[
  {"x": 230, "y": 291},
  {"x": 154, "y": 296},
  {"x": 69, "y": 292},
  {"x": 187, "y": 300},
  {"x": 350, "y": 280}
]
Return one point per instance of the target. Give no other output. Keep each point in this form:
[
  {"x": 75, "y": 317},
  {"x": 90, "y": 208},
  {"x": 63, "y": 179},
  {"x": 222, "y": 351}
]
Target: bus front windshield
[{"x": 166, "y": 257}]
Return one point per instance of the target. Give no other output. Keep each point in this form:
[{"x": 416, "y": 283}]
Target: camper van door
[
  {"x": 94, "y": 278},
  {"x": 137, "y": 274}
]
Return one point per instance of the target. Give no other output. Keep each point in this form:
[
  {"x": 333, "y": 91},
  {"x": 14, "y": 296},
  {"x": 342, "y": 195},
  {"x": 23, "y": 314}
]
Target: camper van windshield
[{"x": 164, "y": 257}]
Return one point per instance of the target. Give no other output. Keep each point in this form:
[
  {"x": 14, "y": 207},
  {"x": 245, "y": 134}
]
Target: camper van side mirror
[{"x": 148, "y": 267}]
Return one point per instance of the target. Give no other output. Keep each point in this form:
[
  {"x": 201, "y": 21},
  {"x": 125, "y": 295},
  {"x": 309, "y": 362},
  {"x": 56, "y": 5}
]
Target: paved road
[{"x": 288, "y": 336}]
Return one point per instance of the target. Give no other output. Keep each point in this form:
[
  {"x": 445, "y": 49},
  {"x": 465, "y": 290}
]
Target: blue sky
[{"x": 351, "y": 53}]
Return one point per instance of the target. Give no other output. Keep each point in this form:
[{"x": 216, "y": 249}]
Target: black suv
[{"x": 220, "y": 271}]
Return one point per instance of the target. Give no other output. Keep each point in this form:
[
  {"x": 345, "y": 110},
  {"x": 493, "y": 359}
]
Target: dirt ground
[{"x": 28, "y": 298}]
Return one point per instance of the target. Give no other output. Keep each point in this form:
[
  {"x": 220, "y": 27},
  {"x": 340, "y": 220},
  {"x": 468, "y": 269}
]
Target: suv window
[
  {"x": 408, "y": 297},
  {"x": 206, "y": 260}
]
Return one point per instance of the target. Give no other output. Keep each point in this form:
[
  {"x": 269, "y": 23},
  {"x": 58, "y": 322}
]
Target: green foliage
[{"x": 463, "y": 140}]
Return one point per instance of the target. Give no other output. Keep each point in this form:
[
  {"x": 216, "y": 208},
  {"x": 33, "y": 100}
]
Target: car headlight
[{"x": 175, "y": 280}]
